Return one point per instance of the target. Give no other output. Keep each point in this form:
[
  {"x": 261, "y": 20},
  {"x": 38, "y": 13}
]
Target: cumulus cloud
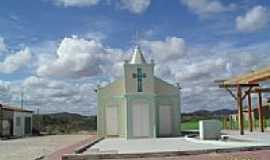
[
  {"x": 76, "y": 3},
  {"x": 172, "y": 48},
  {"x": 51, "y": 95},
  {"x": 135, "y": 6},
  {"x": 78, "y": 57},
  {"x": 13, "y": 62},
  {"x": 255, "y": 19},
  {"x": 195, "y": 67},
  {"x": 204, "y": 68},
  {"x": 205, "y": 7},
  {"x": 201, "y": 65}
]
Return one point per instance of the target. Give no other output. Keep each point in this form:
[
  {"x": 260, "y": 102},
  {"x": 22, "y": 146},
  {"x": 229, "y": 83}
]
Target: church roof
[{"x": 137, "y": 57}]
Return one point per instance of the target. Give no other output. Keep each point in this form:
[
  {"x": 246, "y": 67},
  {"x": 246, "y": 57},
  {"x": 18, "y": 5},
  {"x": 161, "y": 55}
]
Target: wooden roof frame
[
  {"x": 251, "y": 77},
  {"x": 236, "y": 85},
  {"x": 263, "y": 90}
]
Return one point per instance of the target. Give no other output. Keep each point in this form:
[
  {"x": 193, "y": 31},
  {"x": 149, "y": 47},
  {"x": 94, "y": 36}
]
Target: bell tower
[{"x": 139, "y": 75}]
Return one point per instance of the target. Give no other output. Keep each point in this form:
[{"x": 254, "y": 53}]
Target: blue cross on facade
[{"x": 140, "y": 76}]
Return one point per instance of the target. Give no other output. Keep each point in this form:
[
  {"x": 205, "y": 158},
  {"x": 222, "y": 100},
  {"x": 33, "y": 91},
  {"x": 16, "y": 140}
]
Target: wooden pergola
[{"x": 244, "y": 86}]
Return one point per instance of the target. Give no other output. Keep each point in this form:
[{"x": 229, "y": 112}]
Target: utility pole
[
  {"x": 1, "y": 120},
  {"x": 39, "y": 119},
  {"x": 22, "y": 98}
]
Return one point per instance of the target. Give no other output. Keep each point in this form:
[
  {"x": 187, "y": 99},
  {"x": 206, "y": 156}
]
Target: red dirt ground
[
  {"x": 69, "y": 149},
  {"x": 248, "y": 155}
]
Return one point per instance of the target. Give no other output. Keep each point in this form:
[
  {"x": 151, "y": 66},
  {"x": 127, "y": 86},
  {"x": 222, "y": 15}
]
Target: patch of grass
[
  {"x": 234, "y": 124},
  {"x": 190, "y": 125}
]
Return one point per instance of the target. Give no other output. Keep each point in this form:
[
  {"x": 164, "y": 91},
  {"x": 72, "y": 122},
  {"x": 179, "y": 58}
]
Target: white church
[{"x": 138, "y": 105}]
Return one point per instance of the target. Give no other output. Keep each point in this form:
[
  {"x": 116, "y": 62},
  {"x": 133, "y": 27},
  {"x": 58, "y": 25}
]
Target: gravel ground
[{"x": 33, "y": 147}]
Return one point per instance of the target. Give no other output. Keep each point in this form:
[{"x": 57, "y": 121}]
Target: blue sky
[{"x": 57, "y": 51}]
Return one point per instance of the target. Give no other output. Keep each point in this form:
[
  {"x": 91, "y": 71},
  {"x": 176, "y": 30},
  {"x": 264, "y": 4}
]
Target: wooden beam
[
  {"x": 263, "y": 90},
  {"x": 246, "y": 93},
  {"x": 250, "y": 118},
  {"x": 260, "y": 110},
  {"x": 231, "y": 93},
  {"x": 240, "y": 109},
  {"x": 219, "y": 81},
  {"x": 259, "y": 79},
  {"x": 252, "y": 77},
  {"x": 235, "y": 85}
]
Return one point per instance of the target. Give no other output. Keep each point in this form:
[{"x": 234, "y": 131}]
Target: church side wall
[
  {"x": 164, "y": 88},
  {"x": 174, "y": 102},
  {"x": 167, "y": 94},
  {"x": 108, "y": 96},
  {"x": 122, "y": 119},
  {"x": 100, "y": 111},
  {"x": 121, "y": 110}
]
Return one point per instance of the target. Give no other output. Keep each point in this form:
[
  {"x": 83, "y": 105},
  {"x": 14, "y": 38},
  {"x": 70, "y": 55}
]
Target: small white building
[{"x": 15, "y": 122}]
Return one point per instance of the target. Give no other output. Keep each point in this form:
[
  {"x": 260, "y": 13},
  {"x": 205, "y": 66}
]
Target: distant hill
[
  {"x": 64, "y": 123},
  {"x": 65, "y": 115},
  {"x": 224, "y": 112},
  {"x": 205, "y": 114}
]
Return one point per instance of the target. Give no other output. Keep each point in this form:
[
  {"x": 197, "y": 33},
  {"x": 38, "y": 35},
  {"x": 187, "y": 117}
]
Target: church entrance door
[
  {"x": 165, "y": 120},
  {"x": 111, "y": 120},
  {"x": 140, "y": 120}
]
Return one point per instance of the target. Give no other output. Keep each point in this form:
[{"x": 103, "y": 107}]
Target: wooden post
[
  {"x": 1, "y": 120},
  {"x": 225, "y": 123},
  {"x": 260, "y": 110},
  {"x": 240, "y": 109},
  {"x": 231, "y": 122},
  {"x": 250, "y": 120}
]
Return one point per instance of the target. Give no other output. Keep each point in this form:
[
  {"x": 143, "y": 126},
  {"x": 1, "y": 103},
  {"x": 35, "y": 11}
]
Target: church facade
[{"x": 139, "y": 105}]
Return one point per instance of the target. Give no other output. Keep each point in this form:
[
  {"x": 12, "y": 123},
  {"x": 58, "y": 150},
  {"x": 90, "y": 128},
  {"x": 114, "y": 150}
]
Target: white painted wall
[
  {"x": 6, "y": 127},
  {"x": 165, "y": 120},
  {"x": 140, "y": 120},
  {"x": 210, "y": 129},
  {"x": 111, "y": 120},
  {"x": 19, "y": 130}
]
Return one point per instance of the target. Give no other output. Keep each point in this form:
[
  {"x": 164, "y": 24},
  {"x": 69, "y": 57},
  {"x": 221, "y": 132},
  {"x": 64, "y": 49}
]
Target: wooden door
[{"x": 27, "y": 125}]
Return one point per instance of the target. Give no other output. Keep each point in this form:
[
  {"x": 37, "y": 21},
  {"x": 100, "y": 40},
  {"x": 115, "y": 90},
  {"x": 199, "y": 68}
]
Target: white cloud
[
  {"x": 13, "y": 62},
  {"x": 255, "y": 19},
  {"x": 98, "y": 36},
  {"x": 77, "y": 3},
  {"x": 205, "y": 7},
  {"x": 172, "y": 48},
  {"x": 3, "y": 47},
  {"x": 204, "y": 68},
  {"x": 195, "y": 68},
  {"x": 51, "y": 95},
  {"x": 78, "y": 57},
  {"x": 135, "y": 6},
  {"x": 207, "y": 63}
]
